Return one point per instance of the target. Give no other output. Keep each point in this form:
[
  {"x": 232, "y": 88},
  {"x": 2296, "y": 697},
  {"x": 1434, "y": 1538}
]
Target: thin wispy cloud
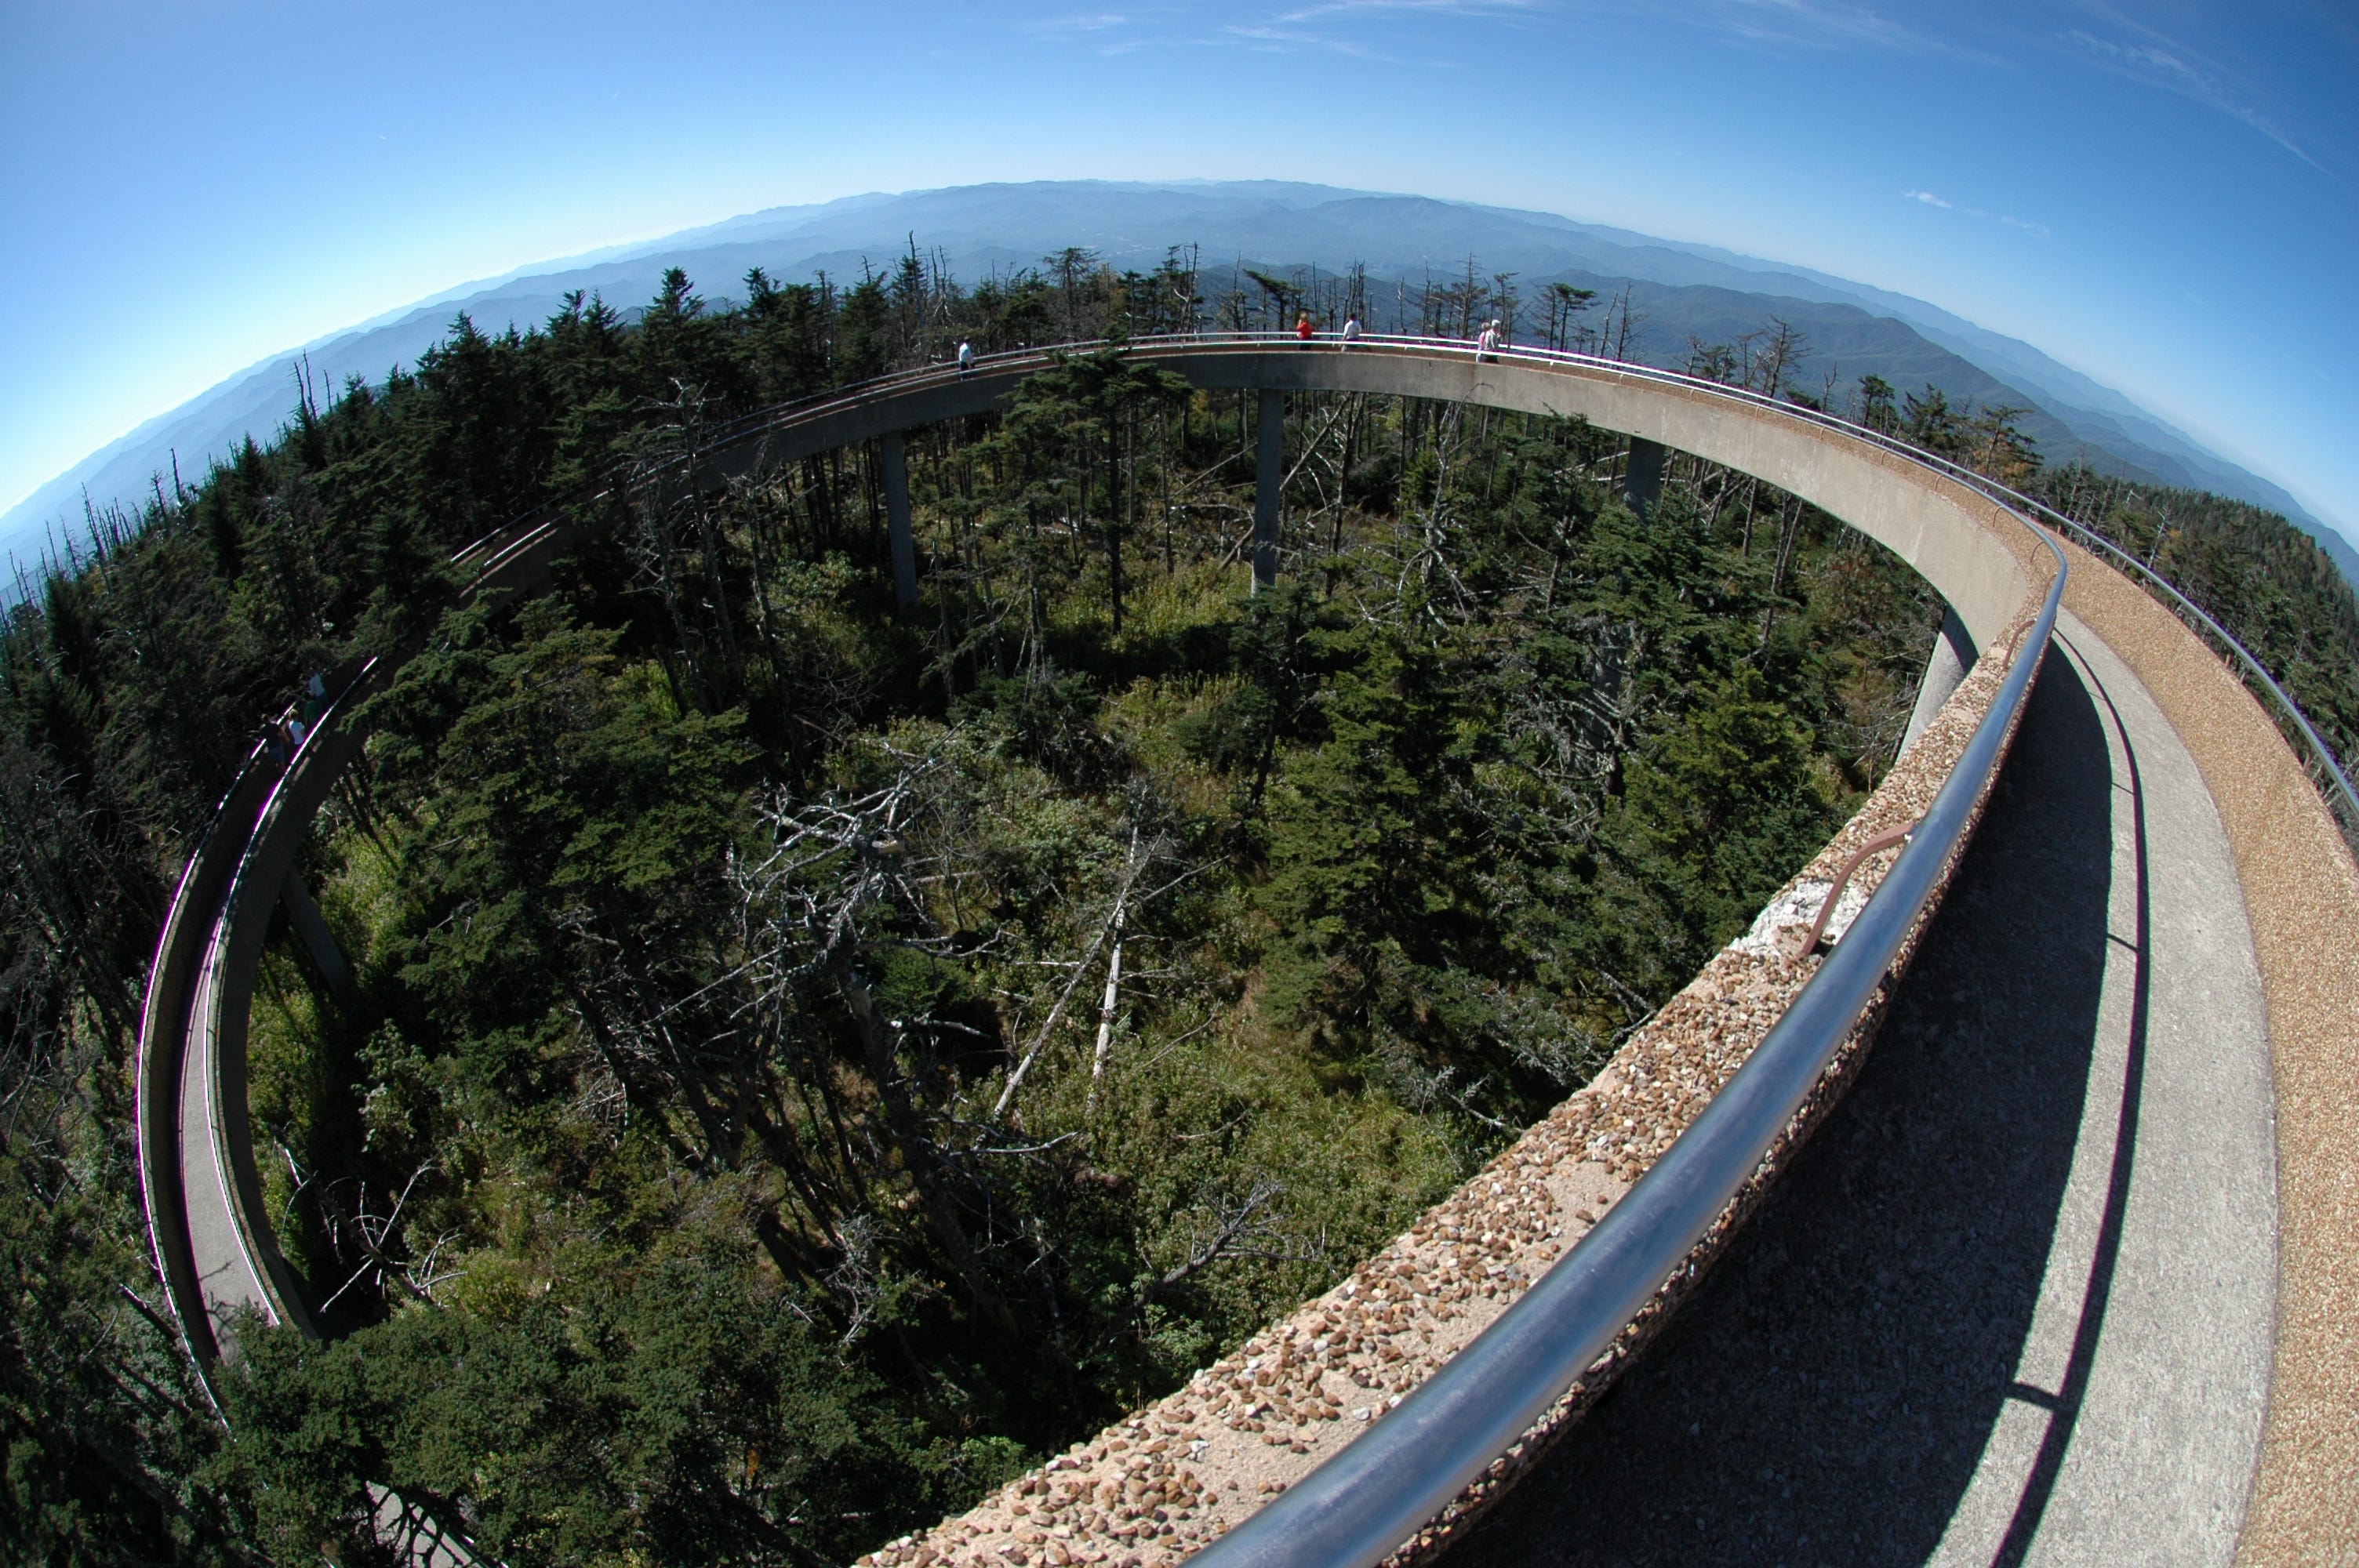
[
  {"x": 2037, "y": 230},
  {"x": 1383, "y": 8},
  {"x": 1070, "y": 29},
  {"x": 1818, "y": 26},
  {"x": 1814, "y": 22},
  {"x": 2139, "y": 52},
  {"x": 1348, "y": 27},
  {"x": 1280, "y": 36},
  {"x": 1405, "y": 33},
  {"x": 1356, "y": 30},
  {"x": 1367, "y": 29}
]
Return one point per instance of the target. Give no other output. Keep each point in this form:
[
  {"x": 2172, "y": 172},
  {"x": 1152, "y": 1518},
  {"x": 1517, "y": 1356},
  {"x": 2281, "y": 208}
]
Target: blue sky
[{"x": 2164, "y": 195}]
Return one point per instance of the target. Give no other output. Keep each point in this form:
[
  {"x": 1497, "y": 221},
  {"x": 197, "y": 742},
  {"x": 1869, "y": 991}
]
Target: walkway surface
[{"x": 2015, "y": 1302}]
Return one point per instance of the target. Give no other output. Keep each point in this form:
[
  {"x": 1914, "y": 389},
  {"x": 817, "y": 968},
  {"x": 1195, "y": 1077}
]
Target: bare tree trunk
[
  {"x": 1115, "y": 436},
  {"x": 1113, "y": 994},
  {"x": 1112, "y": 928}
]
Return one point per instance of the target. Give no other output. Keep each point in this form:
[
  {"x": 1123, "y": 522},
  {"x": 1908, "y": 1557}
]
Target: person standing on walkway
[
  {"x": 965, "y": 356},
  {"x": 1302, "y": 326},
  {"x": 1487, "y": 345},
  {"x": 1350, "y": 331}
]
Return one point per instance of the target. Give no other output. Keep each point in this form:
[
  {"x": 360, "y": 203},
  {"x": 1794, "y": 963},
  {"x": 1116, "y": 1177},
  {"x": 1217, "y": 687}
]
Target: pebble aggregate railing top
[{"x": 1364, "y": 1504}]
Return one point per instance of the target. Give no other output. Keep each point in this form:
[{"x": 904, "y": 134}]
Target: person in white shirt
[
  {"x": 965, "y": 357},
  {"x": 1350, "y": 331}
]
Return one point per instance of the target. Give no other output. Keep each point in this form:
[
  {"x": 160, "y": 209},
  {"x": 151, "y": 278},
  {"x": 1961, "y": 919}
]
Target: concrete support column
[
  {"x": 1642, "y": 481},
  {"x": 1269, "y": 477},
  {"x": 311, "y": 930},
  {"x": 1954, "y": 654},
  {"x": 896, "y": 514}
]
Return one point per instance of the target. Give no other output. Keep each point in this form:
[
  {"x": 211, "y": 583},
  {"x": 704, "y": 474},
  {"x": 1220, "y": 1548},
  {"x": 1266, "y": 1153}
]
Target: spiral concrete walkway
[{"x": 2060, "y": 1325}]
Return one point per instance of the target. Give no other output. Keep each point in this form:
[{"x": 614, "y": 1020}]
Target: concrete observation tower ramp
[{"x": 2068, "y": 1276}]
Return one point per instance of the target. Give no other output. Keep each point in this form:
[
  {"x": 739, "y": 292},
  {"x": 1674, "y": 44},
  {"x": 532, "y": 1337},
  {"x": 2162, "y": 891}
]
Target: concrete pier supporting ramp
[{"x": 1269, "y": 483}]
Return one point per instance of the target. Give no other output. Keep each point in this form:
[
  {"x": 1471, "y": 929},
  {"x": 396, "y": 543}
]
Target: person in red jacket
[{"x": 1302, "y": 326}]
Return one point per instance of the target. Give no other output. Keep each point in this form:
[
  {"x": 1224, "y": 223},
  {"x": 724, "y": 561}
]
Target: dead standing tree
[
  {"x": 678, "y": 547},
  {"x": 825, "y": 906}
]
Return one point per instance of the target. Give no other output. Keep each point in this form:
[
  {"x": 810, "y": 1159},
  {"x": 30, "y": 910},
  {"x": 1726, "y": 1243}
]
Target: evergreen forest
[{"x": 805, "y": 1062}]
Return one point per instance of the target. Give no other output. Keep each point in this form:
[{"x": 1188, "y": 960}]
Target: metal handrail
[
  {"x": 1360, "y": 1506},
  {"x": 2321, "y": 754},
  {"x": 1356, "y": 1509}
]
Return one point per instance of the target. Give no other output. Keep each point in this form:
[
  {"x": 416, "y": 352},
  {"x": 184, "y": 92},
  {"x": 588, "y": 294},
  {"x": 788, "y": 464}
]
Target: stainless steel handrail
[
  {"x": 1360, "y": 1506},
  {"x": 2321, "y": 754}
]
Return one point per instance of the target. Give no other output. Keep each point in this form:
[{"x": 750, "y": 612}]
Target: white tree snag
[
  {"x": 1112, "y": 928},
  {"x": 1113, "y": 992}
]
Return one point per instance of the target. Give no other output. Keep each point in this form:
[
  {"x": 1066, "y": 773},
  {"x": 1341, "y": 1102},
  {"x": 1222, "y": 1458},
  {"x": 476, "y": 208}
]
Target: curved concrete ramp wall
[
  {"x": 165, "y": 1070},
  {"x": 222, "y": 1255},
  {"x": 2295, "y": 878},
  {"x": 1976, "y": 557},
  {"x": 2015, "y": 1302},
  {"x": 1151, "y": 1491}
]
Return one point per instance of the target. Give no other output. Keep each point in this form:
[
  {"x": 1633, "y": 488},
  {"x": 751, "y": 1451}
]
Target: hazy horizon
[{"x": 2165, "y": 207}]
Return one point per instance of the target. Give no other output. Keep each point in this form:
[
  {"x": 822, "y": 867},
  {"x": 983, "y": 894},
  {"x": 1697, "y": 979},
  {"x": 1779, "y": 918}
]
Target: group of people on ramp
[
  {"x": 1493, "y": 336},
  {"x": 1487, "y": 345}
]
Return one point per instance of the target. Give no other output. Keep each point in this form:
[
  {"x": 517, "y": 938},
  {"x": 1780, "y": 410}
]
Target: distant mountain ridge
[{"x": 1683, "y": 290}]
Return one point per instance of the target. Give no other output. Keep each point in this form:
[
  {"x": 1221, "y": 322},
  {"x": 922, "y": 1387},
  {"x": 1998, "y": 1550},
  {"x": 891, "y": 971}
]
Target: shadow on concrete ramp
[{"x": 1826, "y": 1395}]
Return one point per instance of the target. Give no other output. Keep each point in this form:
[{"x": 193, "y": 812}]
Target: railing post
[
  {"x": 1954, "y": 654},
  {"x": 1269, "y": 476},
  {"x": 1643, "y": 479},
  {"x": 896, "y": 512}
]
